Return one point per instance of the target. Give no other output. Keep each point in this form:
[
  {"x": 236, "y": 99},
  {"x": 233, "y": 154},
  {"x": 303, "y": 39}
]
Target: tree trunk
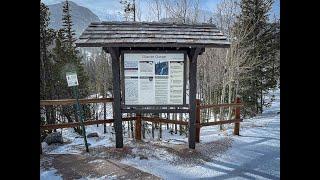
[
  {"x": 160, "y": 131},
  {"x": 96, "y": 111},
  {"x": 104, "y": 117},
  {"x": 261, "y": 98},
  {"x": 152, "y": 130},
  {"x": 230, "y": 100},
  {"x": 180, "y": 126},
  {"x": 128, "y": 124},
  {"x": 143, "y": 130},
  {"x": 131, "y": 125},
  {"x": 222, "y": 101},
  {"x": 104, "y": 113},
  {"x": 175, "y": 125},
  {"x": 168, "y": 114}
]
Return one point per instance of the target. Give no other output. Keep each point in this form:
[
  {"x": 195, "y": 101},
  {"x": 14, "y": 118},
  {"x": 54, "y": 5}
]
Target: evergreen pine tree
[
  {"x": 46, "y": 39},
  {"x": 67, "y": 25},
  {"x": 73, "y": 61},
  {"x": 46, "y": 64},
  {"x": 259, "y": 43}
]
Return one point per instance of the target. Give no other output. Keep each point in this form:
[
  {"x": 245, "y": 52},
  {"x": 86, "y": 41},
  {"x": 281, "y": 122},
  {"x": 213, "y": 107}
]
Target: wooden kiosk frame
[{"x": 119, "y": 37}]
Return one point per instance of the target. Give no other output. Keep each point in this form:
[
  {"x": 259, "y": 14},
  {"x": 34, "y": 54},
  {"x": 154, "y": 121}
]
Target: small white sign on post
[{"x": 72, "y": 79}]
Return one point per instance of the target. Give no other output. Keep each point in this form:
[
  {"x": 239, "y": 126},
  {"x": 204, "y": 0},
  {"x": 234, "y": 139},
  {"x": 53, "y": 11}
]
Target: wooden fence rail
[
  {"x": 92, "y": 122},
  {"x": 140, "y": 118},
  {"x": 76, "y": 124},
  {"x": 221, "y": 105},
  {"x": 73, "y": 101},
  {"x": 161, "y": 120},
  {"x": 150, "y": 119},
  {"x": 221, "y": 122}
]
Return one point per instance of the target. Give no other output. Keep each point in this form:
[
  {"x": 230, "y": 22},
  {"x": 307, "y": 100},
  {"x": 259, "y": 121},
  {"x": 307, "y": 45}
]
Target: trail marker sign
[{"x": 72, "y": 79}]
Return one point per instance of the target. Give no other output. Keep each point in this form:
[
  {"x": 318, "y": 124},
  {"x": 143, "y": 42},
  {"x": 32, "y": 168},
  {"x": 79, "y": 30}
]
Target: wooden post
[
  {"x": 237, "y": 125},
  {"x": 138, "y": 127},
  {"x": 198, "y": 120},
  {"x": 193, "y": 55},
  {"x": 115, "y": 54}
]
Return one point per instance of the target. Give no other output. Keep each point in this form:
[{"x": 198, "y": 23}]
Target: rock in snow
[
  {"x": 55, "y": 137},
  {"x": 44, "y": 145},
  {"x": 143, "y": 157},
  {"x": 94, "y": 134}
]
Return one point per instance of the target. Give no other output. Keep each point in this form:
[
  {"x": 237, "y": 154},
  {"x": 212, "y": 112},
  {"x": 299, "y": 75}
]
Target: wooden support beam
[
  {"x": 73, "y": 101},
  {"x": 193, "y": 55},
  {"x": 115, "y": 56}
]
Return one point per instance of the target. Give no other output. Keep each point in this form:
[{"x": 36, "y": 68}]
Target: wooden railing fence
[{"x": 138, "y": 118}]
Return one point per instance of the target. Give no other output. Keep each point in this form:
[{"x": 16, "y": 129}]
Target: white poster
[
  {"x": 176, "y": 82},
  {"x": 131, "y": 90},
  {"x": 154, "y": 78},
  {"x": 146, "y": 90},
  {"x": 162, "y": 90}
]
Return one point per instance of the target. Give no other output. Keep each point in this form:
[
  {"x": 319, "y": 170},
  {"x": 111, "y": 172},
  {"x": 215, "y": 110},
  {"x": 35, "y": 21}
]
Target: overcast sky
[{"x": 100, "y": 7}]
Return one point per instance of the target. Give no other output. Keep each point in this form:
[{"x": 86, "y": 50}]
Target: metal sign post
[{"x": 72, "y": 80}]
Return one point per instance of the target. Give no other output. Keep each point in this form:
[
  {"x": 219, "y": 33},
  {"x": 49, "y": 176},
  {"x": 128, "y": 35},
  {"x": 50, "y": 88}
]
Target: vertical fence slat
[{"x": 138, "y": 127}]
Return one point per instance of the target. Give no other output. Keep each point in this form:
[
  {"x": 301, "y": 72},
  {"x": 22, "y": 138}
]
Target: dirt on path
[
  {"x": 105, "y": 162},
  {"x": 78, "y": 166}
]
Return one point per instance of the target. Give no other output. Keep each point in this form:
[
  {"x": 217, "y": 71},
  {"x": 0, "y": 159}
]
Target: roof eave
[{"x": 214, "y": 45}]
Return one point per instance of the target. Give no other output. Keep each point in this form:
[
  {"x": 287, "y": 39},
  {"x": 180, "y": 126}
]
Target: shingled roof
[{"x": 143, "y": 34}]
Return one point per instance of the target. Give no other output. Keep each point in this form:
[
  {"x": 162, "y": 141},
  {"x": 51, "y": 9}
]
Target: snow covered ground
[
  {"x": 253, "y": 155},
  {"x": 220, "y": 155},
  {"x": 50, "y": 174}
]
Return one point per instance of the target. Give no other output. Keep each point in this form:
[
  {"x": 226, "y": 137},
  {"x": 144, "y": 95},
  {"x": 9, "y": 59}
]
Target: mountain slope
[{"x": 81, "y": 17}]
